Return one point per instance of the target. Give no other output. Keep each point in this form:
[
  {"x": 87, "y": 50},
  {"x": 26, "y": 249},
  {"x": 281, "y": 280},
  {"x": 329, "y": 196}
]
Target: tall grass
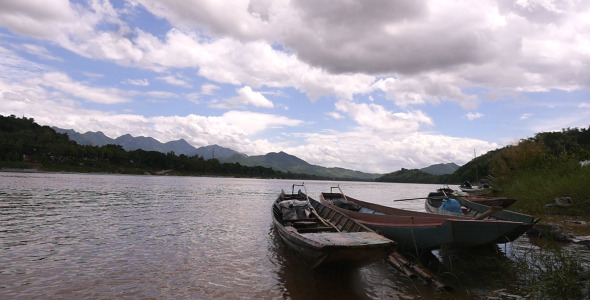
[
  {"x": 551, "y": 272},
  {"x": 537, "y": 187}
]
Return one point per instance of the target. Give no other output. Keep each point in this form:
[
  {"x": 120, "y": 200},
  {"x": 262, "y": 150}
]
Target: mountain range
[
  {"x": 280, "y": 161},
  {"x": 130, "y": 143}
]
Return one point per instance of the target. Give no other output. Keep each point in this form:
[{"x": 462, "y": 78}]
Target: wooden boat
[
  {"x": 420, "y": 230},
  {"x": 322, "y": 236},
  {"x": 447, "y": 192},
  {"x": 434, "y": 204},
  {"x": 482, "y": 188}
]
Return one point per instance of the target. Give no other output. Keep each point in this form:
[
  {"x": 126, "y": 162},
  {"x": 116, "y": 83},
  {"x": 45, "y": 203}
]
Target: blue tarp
[{"x": 451, "y": 205}]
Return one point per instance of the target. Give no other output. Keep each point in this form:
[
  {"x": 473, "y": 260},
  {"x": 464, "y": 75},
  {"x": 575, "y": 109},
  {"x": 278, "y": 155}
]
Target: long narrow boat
[
  {"x": 446, "y": 192},
  {"x": 482, "y": 188},
  {"x": 420, "y": 230},
  {"x": 434, "y": 202},
  {"x": 477, "y": 210},
  {"x": 322, "y": 236}
]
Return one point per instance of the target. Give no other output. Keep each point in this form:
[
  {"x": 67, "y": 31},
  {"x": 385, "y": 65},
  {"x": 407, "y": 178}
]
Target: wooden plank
[{"x": 346, "y": 238}]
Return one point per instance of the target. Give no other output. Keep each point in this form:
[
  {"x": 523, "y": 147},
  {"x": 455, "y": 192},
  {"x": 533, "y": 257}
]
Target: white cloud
[
  {"x": 139, "y": 82},
  {"x": 37, "y": 18},
  {"x": 39, "y": 51},
  {"x": 14, "y": 68},
  {"x": 254, "y": 64},
  {"x": 376, "y": 117},
  {"x": 208, "y": 89},
  {"x": 233, "y": 129},
  {"x": 428, "y": 88},
  {"x": 65, "y": 86},
  {"x": 584, "y": 105},
  {"x": 246, "y": 96},
  {"x": 253, "y": 122},
  {"x": 161, "y": 94},
  {"x": 410, "y": 39},
  {"x": 386, "y": 153},
  {"x": 174, "y": 81},
  {"x": 525, "y": 116},
  {"x": 472, "y": 116},
  {"x": 336, "y": 49},
  {"x": 335, "y": 115}
]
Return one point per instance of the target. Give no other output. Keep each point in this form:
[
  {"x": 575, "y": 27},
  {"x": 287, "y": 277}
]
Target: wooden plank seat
[
  {"x": 316, "y": 229},
  {"x": 305, "y": 223}
]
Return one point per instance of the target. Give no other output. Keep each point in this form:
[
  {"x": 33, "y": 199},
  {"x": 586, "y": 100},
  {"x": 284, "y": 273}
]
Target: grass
[
  {"x": 535, "y": 188},
  {"x": 549, "y": 272}
]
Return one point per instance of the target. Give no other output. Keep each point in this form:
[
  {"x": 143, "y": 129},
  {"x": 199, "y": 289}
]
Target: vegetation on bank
[
  {"x": 534, "y": 171},
  {"x": 26, "y": 145},
  {"x": 541, "y": 168},
  {"x": 549, "y": 272}
]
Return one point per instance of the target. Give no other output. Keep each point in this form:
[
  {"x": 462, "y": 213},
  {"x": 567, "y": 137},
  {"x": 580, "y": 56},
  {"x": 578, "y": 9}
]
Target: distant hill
[
  {"x": 130, "y": 143},
  {"x": 89, "y": 138},
  {"x": 215, "y": 151},
  {"x": 280, "y": 161},
  {"x": 441, "y": 169},
  {"x": 288, "y": 163},
  {"x": 412, "y": 176},
  {"x": 181, "y": 147}
]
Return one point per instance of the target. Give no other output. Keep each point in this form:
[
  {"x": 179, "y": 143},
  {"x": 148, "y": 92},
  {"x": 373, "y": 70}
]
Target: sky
[{"x": 367, "y": 85}]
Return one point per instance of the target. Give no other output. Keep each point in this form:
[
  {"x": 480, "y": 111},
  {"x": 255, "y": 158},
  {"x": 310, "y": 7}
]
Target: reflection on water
[{"x": 115, "y": 236}]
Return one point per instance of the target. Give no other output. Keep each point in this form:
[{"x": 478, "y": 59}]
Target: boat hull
[
  {"x": 351, "y": 245},
  {"x": 316, "y": 256},
  {"x": 425, "y": 231},
  {"x": 474, "y": 209}
]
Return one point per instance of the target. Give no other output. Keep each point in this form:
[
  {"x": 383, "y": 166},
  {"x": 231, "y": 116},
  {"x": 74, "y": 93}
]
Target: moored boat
[
  {"x": 444, "y": 193},
  {"x": 482, "y": 188},
  {"x": 419, "y": 230},
  {"x": 436, "y": 205},
  {"x": 322, "y": 236}
]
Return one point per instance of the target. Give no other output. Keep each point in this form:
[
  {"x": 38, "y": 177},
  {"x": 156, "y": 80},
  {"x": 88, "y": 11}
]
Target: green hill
[
  {"x": 412, "y": 176},
  {"x": 288, "y": 163},
  {"x": 441, "y": 169},
  {"x": 543, "y": 150},
  {"x": 537, "y": 170}
]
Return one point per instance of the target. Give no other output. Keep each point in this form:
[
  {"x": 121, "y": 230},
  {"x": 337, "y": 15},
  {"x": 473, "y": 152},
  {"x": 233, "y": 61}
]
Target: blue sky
[{"x": 372, "y": 85}]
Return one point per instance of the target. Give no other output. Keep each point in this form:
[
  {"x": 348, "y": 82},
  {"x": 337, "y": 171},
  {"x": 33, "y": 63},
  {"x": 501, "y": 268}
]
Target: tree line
[{"x": 26, "y": 144}]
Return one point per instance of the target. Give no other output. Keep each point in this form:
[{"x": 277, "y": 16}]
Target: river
[{"x": 99, "y": 236}]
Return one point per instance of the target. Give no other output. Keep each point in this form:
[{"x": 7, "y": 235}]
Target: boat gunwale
[{"x": 393, "y": 215}]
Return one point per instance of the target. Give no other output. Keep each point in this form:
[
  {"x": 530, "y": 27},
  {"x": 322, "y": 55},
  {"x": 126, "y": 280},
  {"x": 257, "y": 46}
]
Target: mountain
[
  {"x": 181, "y": 147},
  {"x": 438, "y": 173},
  {"x": 89, "y": 138},
  {"x": 130, "y": 143},
  {"x": 288, "y": 163},
  {"x": 412, "y": 176},
  {"x": 215, "y": 151},
  {"x": 441, "y": 169},
  {"x": 278, "y": 161}
]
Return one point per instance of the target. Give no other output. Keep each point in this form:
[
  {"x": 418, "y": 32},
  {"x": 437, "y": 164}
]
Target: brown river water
[{"x": 73, "y": 236}]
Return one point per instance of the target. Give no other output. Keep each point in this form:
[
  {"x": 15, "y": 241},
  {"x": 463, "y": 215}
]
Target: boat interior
[{"x": 296, "y": 214}]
